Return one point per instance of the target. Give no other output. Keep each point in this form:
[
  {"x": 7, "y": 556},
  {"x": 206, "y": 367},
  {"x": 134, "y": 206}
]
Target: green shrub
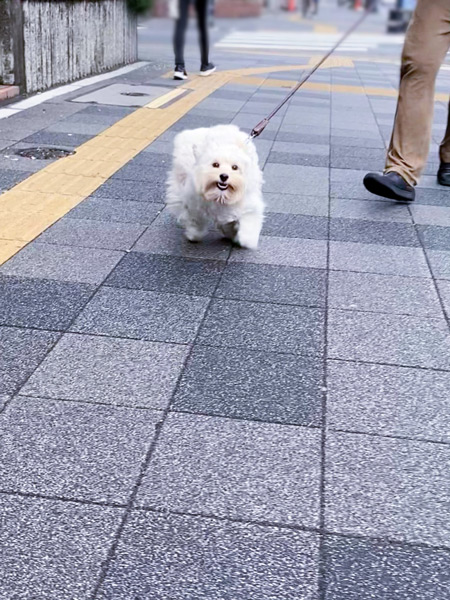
[{"x": 140, "y": 6}]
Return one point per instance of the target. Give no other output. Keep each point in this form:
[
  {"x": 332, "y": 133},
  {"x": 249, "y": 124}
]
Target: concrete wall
[{"x": 65, "y": 40}]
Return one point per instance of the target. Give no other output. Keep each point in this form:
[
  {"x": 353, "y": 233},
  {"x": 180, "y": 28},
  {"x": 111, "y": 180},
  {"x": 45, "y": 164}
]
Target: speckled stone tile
[
  {"x": 142, "y": 315},
  {"x": 372, "y": 232},
  {"x": 372, "y": 210},
  {"x": 434, "y": 237},
  {"x": 364, "y": 569},
  {"x": 140, "y": 191},
  {"x": 170, "y": 274},
  {"x": 273, "y": 283},
  {"x": 389, "y": 400},
  {"x": 237, "y": 469},
  {"x": 171, "y": 241},
  {"x": 257, "y": 326},
  {"x": 115, "y": 210},
  {"x": 315, "y": 206},
  {"x": 392, "y": 339},
  {"x": 109, "y": 371},
  {"x": 294, "y": 252},
  {"x": 373, "y": 258},
  {"x": 252, "y": 385},
  {"x": 63, "y": 263},
  {"x": 22, "y": 350},
  {"x": 73, "y": 450},
  {"x": 383, "y": 293},
  {"x": 393, "y": 488},
  {"x": 431, "y": 215},
  {"x": 41, "y": 542},
  {"x": 206, "y": 559},
  {"x": 295, "y": 226},
  {"x": 439, "y": 263},
  {"x": 87, "y": 233},
  {"x": 41, "y": 303},
  {"x": 292, "y": 179}
]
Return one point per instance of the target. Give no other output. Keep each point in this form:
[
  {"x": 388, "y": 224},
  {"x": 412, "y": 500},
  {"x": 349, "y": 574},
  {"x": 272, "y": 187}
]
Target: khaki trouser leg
[{"x": 426, "y": 44}]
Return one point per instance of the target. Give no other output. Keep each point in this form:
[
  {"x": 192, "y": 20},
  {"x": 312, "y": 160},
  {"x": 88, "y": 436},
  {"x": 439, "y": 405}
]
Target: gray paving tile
[
  {"x": 435, "y": 238},
  {"x": 86, "y": 233},
  {"x": 140, "y": 191},
  {"x": 63, "y": 263},
  {"x": 301, "y": 148},
  {"x": 358, "y": 569},
  {"x": 205, "y": 559},
  {"x": 241, "y": 469},
  {"x": 383, "y": 293},
  {"x": 297, "y": 204},
  {"x": 4, "y": 398},
  {"x": 142, "y": 315},
  {"x": 306, "y": 160},
  {"x": 167, "y": 274},
  {"x": 270, "y": 327},
  {"x": 273, "y": 283},
  {"x": 444, "y": 291},
  {"x": 432, "y": 197},
  {"x": 348, "y": 183},
  {"x": 50, "y": 138},
  {"x": 373, "y": 258},
  {"x": 116, "y": 211},
  {"x": 292, "y": 179},
  {"x": 295, "y": 226},
  {"x": 9, "y": 178},
  {"x": 77, "y": 128},
  {"x": 252, "y": 385},
  {"x": 22, "y": 351},
  {"x": 139, "y": 172},
  {"x": 73, "y": 450},
  {"x": 431, "y": 215},
  {"x": 388, "y": 400},
  {"x": 370, "y": 210},
  {"x": 372, "y": 232},
  {"x": 109, "y": 371},
  {"x": 41, "y": 547},
  {"x": 295, "y": 252},
  {"x": 40, "y": 303},
  {"x": 303, "y": 138},
  {"x": 381, "y": 487},
  {"x": 391, "y": 339},
  {"x": 439, "y": 263},
  {"x": 161, "y": 240},
  {"x": 358, "y": 142}
]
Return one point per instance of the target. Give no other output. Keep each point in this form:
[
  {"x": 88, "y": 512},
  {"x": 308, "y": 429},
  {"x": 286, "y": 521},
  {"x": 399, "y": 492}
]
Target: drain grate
[
  {"x": 44, "y": 153},
  {"x": 135, "y": 94}
]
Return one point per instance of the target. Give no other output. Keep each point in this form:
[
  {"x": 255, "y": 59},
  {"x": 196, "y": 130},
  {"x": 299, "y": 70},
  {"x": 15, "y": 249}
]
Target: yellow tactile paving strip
[{"x": 36, "y": 203}]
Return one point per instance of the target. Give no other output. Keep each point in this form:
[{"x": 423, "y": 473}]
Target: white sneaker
[
  {"x": 180, "y": 72},
  {"x": 206, "y": 70}
]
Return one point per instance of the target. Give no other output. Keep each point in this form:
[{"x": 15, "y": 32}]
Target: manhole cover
[
  {"x": 44, "y": 153},
  {"x": 132, "y": 94}
]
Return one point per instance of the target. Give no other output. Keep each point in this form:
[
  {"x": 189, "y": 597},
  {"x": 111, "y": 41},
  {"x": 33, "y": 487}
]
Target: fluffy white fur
[{"x": 215, "y": 177}]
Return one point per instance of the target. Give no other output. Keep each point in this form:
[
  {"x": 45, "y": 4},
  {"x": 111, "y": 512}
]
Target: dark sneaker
[
  {"x": 206, "y": 70},
  {"x": 180, "y": 72},
  {"x": 443, "y": 175},
  {"x": 391, "y": 185}
]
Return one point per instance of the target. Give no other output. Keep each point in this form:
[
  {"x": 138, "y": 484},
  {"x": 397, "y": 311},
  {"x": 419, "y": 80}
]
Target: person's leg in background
[
  {"x": 179, "y": 38},
  {"x": 444, "y": 155},
  {"x": 426, "y": 44},
  {"x": 201, "y": 7}
]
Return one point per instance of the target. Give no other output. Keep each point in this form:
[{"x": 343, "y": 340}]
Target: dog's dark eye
[
  {"x": 216, "y": 165},
  {"x": 235, "y": 167}
]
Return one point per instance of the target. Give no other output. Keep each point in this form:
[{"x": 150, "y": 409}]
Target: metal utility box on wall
[{"x": 45, "y": 43}]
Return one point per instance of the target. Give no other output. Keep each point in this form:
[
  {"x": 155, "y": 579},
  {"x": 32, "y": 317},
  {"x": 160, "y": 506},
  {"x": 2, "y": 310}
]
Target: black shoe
[
  {"x": 206, "y": 70},
  {"x": 180, "y": 72},
  {"x": 391, "y": 185},
  {"x": 443, "y": 175}
]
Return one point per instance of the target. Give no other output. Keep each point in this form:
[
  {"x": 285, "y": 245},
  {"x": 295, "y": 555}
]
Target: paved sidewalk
[{"x": 184, "y": 422}]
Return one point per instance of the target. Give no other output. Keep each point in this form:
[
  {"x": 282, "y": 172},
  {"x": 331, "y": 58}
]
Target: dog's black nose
[{"x": 223, "y": 177}]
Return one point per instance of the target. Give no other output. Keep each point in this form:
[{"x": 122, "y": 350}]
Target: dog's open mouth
[{"x": 222, "y": 186}]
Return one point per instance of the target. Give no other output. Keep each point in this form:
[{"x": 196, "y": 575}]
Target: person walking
[
  {"x": 426, "y": 44},
  {"x": 179, "y": 10}
]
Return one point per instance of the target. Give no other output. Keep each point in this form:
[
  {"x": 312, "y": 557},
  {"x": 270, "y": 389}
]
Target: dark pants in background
[{"x": 201, "y": 8}]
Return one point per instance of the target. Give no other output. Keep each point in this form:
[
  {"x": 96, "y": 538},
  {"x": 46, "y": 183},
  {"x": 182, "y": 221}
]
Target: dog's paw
[{"x": 247, "y": 240}]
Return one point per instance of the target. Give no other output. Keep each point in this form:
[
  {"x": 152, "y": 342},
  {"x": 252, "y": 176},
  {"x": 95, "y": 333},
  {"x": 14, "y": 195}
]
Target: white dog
[{"x": 215, "y": 177}]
